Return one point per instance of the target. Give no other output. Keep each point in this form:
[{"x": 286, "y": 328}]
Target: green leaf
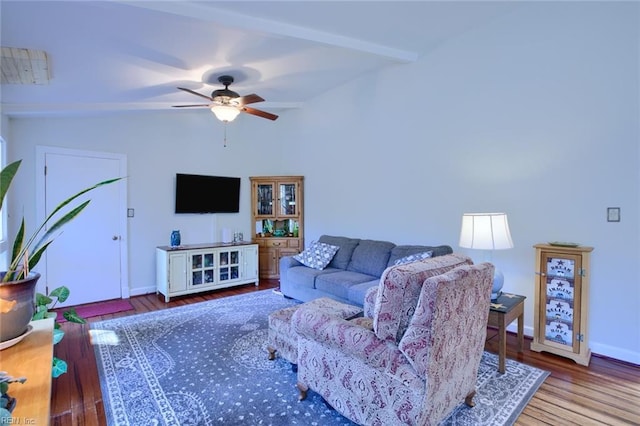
[
  {"x": 34, "y": 257},
  {"x": 58, "y": 334},
  {"x": 49, "y": 234},
  {"x": 16, "y": 254},
  {"x": 72, "y": 316},
  {"x": 73, "y": 197},
  {"x": 38, "y": 315},
  {"x": 59, "y": 367},
  {"x": 6, "y": 176},
  {"x": 61, "y": 293},
  {"x": 42, "y": 300},
  {"x": 5, "y": 414},
  {"x": 66, "y": 218}
]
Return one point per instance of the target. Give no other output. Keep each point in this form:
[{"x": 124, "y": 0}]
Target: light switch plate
[
  {"x": 130, "y": 212},
  {"x": 613, "y": 214}
]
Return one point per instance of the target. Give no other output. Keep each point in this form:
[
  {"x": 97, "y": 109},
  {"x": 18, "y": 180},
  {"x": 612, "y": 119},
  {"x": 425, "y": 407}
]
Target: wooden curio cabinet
[
  {"x": 562, "y": 301},
  {"x": 277, "y": 220}
]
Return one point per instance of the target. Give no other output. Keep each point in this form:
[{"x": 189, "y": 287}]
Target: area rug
[
  {"x": 98, "y": 309},
  {"x": 206, "y": 363}
]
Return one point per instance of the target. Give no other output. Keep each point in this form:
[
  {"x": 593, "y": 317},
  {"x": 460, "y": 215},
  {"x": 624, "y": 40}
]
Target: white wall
[
  {"x": 535, "y": 115},
  {"x": 157, "y": 145}
]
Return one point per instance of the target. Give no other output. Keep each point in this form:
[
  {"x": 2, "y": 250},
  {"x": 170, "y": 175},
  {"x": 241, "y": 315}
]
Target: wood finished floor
[{"x": 605, "y": 393}]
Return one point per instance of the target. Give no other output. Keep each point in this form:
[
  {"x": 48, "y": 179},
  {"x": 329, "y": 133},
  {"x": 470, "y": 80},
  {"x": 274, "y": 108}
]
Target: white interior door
[{"x": 87, "y": 255}]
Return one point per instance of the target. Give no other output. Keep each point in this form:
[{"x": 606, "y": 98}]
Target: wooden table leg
[
  {"x": 521, "y": 332},
  {"x": 502, "y": 344}
]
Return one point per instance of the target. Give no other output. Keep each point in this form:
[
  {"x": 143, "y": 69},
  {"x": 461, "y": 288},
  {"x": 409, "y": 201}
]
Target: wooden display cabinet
[
  {"x": 561, "y": 304},
  {"x": 277, "y": 220}
]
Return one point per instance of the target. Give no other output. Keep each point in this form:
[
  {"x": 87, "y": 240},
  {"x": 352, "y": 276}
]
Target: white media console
[{"x": 201, "y": 267}]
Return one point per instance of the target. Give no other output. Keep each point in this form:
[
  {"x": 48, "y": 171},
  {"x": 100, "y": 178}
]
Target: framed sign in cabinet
[{"x": 562, "y": 301}]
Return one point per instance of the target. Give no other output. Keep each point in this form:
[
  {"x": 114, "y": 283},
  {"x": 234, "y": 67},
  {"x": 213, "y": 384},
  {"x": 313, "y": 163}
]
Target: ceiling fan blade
[
  {"x": 196, "y": 93},
  {"x": 248, "y": 99},
  {"x": 259, "y": 113},
  {"x": 189, "y": 106}
]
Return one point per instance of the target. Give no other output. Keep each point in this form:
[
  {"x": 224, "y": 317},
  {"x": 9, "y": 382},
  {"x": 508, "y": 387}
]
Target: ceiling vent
[{"x": 24, "y": 66}]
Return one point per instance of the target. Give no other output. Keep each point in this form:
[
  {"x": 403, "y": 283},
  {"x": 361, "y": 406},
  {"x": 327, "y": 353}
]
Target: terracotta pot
[{"x": 17, "y": 300}]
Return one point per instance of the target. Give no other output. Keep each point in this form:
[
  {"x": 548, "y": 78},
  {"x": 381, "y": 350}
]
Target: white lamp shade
[
  {"x": 225, "y": 113},
  {"x": 485, "y": 231}
]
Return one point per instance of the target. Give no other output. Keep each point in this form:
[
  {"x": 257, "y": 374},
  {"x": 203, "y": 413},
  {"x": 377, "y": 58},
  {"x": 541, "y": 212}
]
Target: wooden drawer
[
  {"x": 294, "y": 243},
  {"x": 276, "y": 243}
]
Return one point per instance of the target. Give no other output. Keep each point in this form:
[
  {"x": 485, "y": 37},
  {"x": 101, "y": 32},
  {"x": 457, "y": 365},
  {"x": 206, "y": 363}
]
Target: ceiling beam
[{"x": 236, "y": 20}]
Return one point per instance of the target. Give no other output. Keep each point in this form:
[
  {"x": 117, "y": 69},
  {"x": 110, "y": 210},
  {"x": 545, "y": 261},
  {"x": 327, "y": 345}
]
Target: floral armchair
[{"x": 418, "y": 361}]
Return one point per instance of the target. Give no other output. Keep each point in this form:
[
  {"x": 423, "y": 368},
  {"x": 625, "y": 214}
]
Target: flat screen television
[{"x": 207, "y": 194}]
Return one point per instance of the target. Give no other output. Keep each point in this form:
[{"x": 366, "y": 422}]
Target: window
[{"x": 3, "y": 213}]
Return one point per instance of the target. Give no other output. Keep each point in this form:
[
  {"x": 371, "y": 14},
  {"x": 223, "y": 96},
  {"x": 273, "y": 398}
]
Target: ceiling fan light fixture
[{"x": 225, "y": 113}]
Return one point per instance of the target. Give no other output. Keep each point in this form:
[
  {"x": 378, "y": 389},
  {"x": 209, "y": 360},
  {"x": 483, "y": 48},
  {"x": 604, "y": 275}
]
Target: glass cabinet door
[
  {"x": 288, "y": 197},
  {"x": 264, "y": 202},
  {"x": 202, "y": 267},
  {"x": 229, "y": 265},
  {"x": 561, "y": 297}
]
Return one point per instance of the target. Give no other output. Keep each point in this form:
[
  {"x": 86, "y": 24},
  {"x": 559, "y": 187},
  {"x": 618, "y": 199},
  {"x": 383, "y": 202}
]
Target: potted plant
[
  {"x": 17, "y": 283},
  {"x": 7, "y": 403},
  {"x": 45, "y": 302}
]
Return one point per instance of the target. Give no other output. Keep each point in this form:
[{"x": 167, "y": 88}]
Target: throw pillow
[
  {"x": 413, "y": 258},
  {"x": 317, "y": 255}
]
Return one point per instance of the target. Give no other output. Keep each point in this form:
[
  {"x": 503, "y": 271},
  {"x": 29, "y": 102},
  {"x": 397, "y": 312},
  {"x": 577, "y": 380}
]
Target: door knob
[{"x": 114, "y": 238}]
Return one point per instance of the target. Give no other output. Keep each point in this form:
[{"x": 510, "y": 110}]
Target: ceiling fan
[{"x": 227, "y": 104}]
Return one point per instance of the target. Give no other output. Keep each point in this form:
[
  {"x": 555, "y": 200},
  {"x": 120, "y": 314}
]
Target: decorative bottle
[{"x": 175, "y": 238}]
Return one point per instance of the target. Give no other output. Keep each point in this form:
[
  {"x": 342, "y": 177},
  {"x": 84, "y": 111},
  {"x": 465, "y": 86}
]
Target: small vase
[{"x": 175, "y": 238}]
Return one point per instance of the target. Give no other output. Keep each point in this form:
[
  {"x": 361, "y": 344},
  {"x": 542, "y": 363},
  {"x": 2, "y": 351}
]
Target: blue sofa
[{"x": 357, "y": 266}]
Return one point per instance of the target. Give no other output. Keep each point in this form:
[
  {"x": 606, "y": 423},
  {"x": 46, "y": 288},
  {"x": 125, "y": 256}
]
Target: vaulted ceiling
[{"x": 132, "y": 55}]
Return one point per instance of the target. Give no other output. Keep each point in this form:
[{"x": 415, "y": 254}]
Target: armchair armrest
[
  {"x": 370, "y": 301},
  {"x": 354, "y": 341}
]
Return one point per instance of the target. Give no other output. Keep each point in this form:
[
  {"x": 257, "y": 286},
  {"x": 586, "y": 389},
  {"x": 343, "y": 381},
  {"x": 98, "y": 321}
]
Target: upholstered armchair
[{"x": 420, "y": 358}]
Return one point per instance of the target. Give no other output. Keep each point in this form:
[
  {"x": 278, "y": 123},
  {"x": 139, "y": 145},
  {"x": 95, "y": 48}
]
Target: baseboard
[
  {"x": 613, "y": 352},
  {"x": 142, "y": 291},
  {"x": 597, "y": 349}
]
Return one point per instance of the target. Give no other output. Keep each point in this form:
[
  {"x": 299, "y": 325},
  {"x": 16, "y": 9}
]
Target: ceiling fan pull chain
[{"x": 225, "y": 134}]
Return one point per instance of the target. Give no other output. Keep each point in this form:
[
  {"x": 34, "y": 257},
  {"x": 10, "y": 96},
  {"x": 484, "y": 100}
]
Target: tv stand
[{"x": 202, "y": 267}]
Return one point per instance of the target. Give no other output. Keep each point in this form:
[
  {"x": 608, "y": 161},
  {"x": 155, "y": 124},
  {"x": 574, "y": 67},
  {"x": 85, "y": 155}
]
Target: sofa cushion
[
  {"x": 338, "y": 283},
  {"x": 317, "y": 255},
  {"x": 370, "y": 257},
  {"x": 399, "y": 290},
  {"x": 358, "y": 293},
  {"x": 405, "y": 250},
  {"x": 342, "y": 257},
  {"x": 306, "y": 277},
  {"x": 413, "y": 257}
]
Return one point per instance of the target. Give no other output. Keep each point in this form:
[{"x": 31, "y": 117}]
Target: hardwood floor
[{"x": 605, "y": 393}]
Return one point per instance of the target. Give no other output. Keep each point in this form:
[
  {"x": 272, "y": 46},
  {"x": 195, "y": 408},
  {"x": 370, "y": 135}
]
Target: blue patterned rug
[{"x": 206, "y": 364}]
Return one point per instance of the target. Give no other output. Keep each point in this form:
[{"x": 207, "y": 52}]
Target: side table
[
  {"x": 502, "y": 313},
  {"x": 31, "y": 358}
]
